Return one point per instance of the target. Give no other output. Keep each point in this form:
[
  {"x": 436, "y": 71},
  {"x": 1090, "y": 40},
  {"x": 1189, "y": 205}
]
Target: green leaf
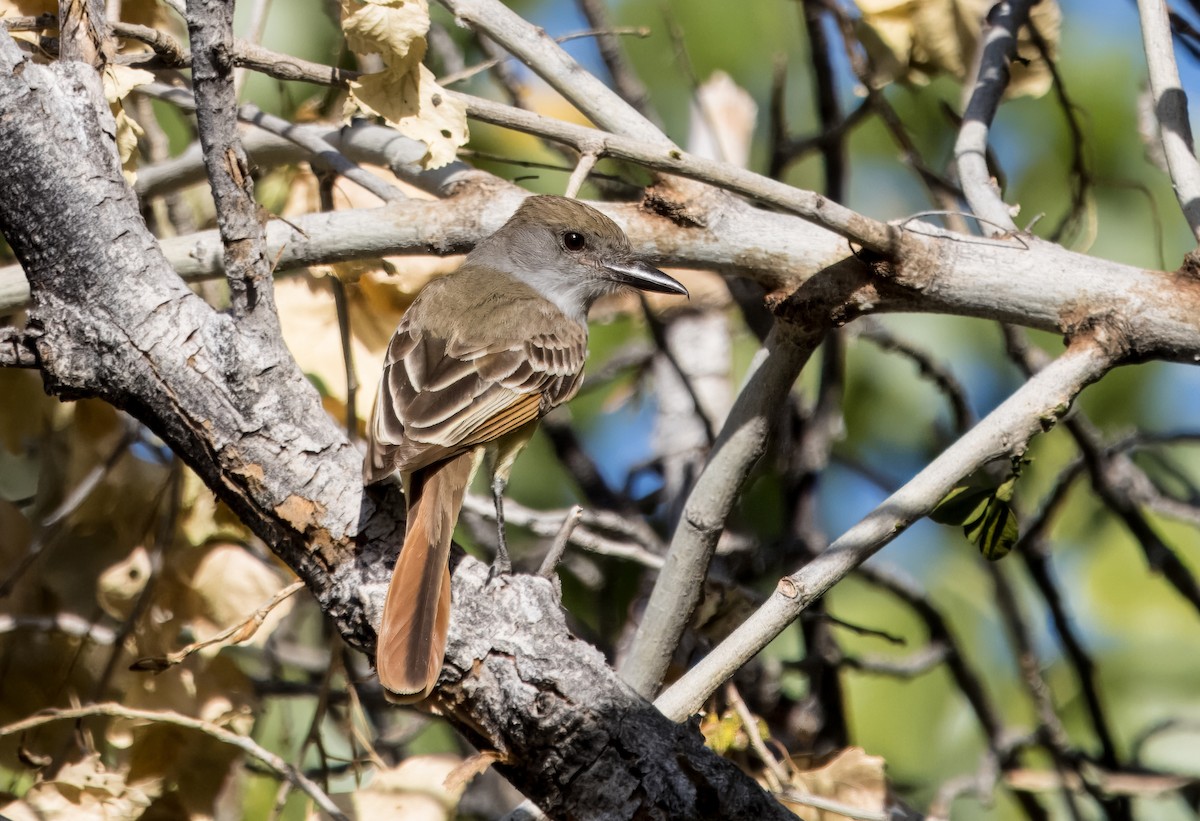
[
  {"x": 963, "y": 505},
  {"x": 997, "y": 530},
  {"x": 985, "y": 515}
]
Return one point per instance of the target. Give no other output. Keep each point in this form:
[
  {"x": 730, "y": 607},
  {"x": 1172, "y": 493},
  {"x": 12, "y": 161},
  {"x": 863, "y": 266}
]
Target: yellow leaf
[
  {"x": 415, "y": 790},
  {"x": 120, "y": 585},
  {"x": 393, "y": 29},
  {"x": 87, "y": 790},
  {"x": 914, "y": 40},
  {"x": 417, "y": 107},
  {"x": 724, "y": 733},
  {"x": 120, "y": 80},
  {"x": 231, "y": 585},
  {"x": 853, "y": 779}
]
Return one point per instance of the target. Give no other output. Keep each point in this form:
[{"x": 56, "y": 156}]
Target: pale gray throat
[{"x": 573, "y": 296}]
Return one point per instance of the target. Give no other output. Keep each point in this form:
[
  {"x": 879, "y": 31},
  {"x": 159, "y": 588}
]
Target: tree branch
[
  {"x": 247, "y": 267},
  {"x": 1032, "y": 409},
  {"x": 1171, "y": 109},
  {"x": 970, "y": 150},
  {"x": 741, "y": 442}
]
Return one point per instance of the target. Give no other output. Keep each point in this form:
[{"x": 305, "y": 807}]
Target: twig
[
  {"x": 969, "y": 682},
  {"x": 469, "y": 72},
  {"x": 1171, "y": 109},
  {"x": 77, "y": 495},
  {"x": 829, "y": 113},
  {"x": 169, "y": 498},
  {"x": 999, "y": 44},
  {"x": 547, "y": 524},
  {"x": 911, "y": 666},
  {"x": 67, "y": 624},
  {"x": 587, "y": 161},
  {"x": 625, "y": 80},
  {"x": 1050, "y": 728},
  {"x": 311, "y": 138},
  {"x": 1079, "y": 174},
  {"x": 259, "y": 11},
  {"x": 750, "y": 724},
  {"x": 805, "y": 204},
  {"x": 927, "y": 367},
  {"x": 1033, "y": 407},
  {"x": 559, "y": 545},
  {"x": 826, "y": 805},
  {"x": 1116, "y": 480},
  {"x": 538, "y": 50},
  {"x": 238, "y": 633},
  {"x": 277, "y": 765}
]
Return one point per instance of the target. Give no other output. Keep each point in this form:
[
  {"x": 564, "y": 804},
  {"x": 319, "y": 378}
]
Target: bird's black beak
[{"x": 644, "y": 276}]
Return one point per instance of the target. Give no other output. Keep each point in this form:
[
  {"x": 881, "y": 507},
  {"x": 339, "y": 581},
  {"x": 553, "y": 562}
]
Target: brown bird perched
[{"x": 478, "y": 358}]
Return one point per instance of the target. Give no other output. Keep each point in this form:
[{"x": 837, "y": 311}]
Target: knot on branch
[{"x": 1108, "y": 329}]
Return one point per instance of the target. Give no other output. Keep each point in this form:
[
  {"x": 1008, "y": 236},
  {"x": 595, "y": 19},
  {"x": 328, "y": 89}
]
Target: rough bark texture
[{"x": 112, "y": 319}]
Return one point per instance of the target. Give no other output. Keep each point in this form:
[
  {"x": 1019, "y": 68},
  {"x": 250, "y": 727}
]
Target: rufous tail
[{"x": 416, "y": 614}]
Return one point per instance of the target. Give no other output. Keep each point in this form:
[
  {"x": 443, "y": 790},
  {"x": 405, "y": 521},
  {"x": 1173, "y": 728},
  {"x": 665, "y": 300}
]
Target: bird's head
[{"x": 570, "y": 253}]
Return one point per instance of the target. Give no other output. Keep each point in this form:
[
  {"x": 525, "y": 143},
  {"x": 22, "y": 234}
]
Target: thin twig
[
  {"x": 238, "y": 633},
  {"x": 469, "y": 72},
  {"x": 559, "y": 545},
  {"x": 277, "y": 765},
  {"x": 312, "y": 139}
]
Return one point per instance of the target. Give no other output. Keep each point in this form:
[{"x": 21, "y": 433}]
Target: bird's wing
[{"x": 440, "y": 396}]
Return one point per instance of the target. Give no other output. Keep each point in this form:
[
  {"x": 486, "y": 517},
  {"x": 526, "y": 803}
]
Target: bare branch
[
  {"x": 539, "y": 51},
  {"x": 741, "y": 442},
  {"x": 970, "y": 150},
  {"x": 1171, "y": 109},
  {"x": 247, "y": 267},
  {"x": 311, "y": 139}
]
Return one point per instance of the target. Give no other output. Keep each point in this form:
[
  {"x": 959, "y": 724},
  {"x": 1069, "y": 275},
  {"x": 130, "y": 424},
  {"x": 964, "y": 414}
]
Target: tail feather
[{"x": 416, "y": 613}]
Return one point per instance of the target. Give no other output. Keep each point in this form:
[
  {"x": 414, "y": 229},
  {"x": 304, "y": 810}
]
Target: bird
[{"x": 477, "y": 359}]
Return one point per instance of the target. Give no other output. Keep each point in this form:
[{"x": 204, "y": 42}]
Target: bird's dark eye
[{"x": 573, "y": 241}]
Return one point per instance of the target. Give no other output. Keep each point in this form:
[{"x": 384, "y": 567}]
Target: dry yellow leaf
[
  {"x": 414, "y": 104},
  {"x": 415, "y": 790},
  {"x": 853, "y": 778},
  {"x": 393, "y": 29},
  {"x": 915, "y": 40},
  {"x": 230, "y": 585},
  {"x": 85, "y": 790},
  {"x": 404, "y": 93},
  {"x": 120, "y": 585},
  {"x": 118, "y": 82}
]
